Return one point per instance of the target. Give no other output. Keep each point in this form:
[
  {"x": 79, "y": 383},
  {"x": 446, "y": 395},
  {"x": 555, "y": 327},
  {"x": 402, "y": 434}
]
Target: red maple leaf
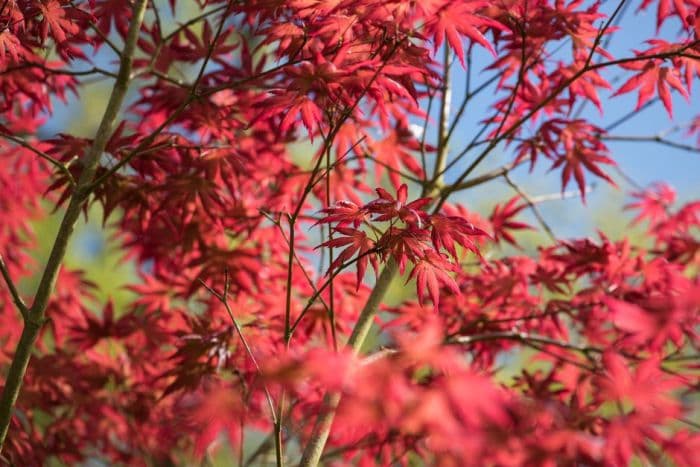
[
  {"x": 448, "y": 230},
  {"x": 387, "y": 207},
  {"x": 356, "y": 241},
  {"x": 653, "y": 204},
  {"x": 501, "y": 220},
  {"x": 310, "y": 115},
  {"x": 575, "y": 145},
  {"x": 55, "y": 21},
  {"x": 652, "y": 74},
  {"x": 666, "y": 9},
  {"x": 430, "y": 272},
  {"x": 409, "y": 244},
  {"x": 9, "y": 44},
  {"x": 344, "y": 212},
  {"x": 456, "y": 19},
  {"x": 117, "y": 10}
]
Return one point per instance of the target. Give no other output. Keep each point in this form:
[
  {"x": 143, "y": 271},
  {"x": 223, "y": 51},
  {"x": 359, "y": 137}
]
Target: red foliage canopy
[{"x": 238, "y": 176}]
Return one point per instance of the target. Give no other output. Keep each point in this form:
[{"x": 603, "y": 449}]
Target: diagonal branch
[
  {"x": 21, "y": 306},
  {"x": 63, "y": 168},
  {"x": 223, "y": 298},
  {"x": 533, "y": 207}
]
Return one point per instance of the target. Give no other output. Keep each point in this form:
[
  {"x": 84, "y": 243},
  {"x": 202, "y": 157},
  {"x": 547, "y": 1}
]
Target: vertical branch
[
  {"x": 424, "y": 132},
  {"x": 465, "y": 101},
  {"x": 331, "y": 309},
  {"x": 444, "y": 124},
  {"x": 551, "y": 96},
  {"x": 322, "y": 428},
  {"x": 36, "y": 313}
]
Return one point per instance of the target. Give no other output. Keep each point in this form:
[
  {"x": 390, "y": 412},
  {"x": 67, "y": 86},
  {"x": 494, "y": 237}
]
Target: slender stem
[
  {"x": 36, "y": 313},
  {"x": 631, "y": 114},
  {"x": 13, "y": 382},
  {"x": 63, "y": 168},
  {"x": 481, "y": 179},
  {"x": 465, "y": 101},
  {"x": 331, "y": 300},
  {"x": 534, "y": 341},
  {"x": 537, "y": 199},
  {"x": 652, "y": 139},
  {"x": 424, "y": 132},
  {"x": 19, "y": 303},
  {"x": 621, "y": 13},
  {"x": 533, "y": 207},
  {"x": 223, "y": 298},
  {"x": 194, "y": 20}
]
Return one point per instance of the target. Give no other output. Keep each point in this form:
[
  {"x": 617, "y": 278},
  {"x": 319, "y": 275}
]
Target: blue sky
[{"x": 645, "y": 162}]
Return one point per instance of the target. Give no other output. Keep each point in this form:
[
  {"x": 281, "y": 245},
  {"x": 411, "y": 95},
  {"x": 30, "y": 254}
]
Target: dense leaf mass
[{"x": 268, "y": 153}]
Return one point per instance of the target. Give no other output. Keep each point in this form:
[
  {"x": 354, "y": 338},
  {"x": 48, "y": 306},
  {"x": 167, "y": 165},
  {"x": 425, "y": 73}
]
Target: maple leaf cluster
[
  {"x": 418, "y": 239},
  {"x": 267, "y": 153}
]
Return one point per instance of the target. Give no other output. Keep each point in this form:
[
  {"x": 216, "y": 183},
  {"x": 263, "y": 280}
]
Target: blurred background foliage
[{"x": 94, "y": 250}]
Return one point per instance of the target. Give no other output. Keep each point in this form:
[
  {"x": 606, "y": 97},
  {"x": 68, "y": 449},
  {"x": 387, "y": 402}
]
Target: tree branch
[
  {"x": 223, "y": 298},
  {"x": 533, "y": 207},
  {"x": 444, "y": 123},
  {"x": 19, "y": 303},
  {"x": 652, "y": 139},
  {"x": 63, "y": 168},
  {"x": 324, "y": 421}
]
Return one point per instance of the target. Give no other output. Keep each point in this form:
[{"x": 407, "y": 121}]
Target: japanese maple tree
[{"x": 272, "y": 168}]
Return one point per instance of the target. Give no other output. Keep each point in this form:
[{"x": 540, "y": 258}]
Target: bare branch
[
  {"x": 63, "y": 168},
  {"x": 652, "y": 139},
  {"x": 533, "y": 207},
  {"x": 223, "y": 298},
  {"x": 19, "y": 303}
]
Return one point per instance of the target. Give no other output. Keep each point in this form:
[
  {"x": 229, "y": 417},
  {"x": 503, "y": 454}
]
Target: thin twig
[
  {"x": 223, "y": 298},
  {"x": 481, "y": 179},
  {"x": 194, "y": 20},
  {"x": 444, "y": 122},
  {"x": 57, "y": 71},
  {"x": 533, "y": 207},
  {"x": 652, "y": 139},
  {"x": 631, "y": 114},
  {"x": 19, "y": 303},
  {"x": 527, "y": 339},
  {"x": 63, "y": 168}
]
